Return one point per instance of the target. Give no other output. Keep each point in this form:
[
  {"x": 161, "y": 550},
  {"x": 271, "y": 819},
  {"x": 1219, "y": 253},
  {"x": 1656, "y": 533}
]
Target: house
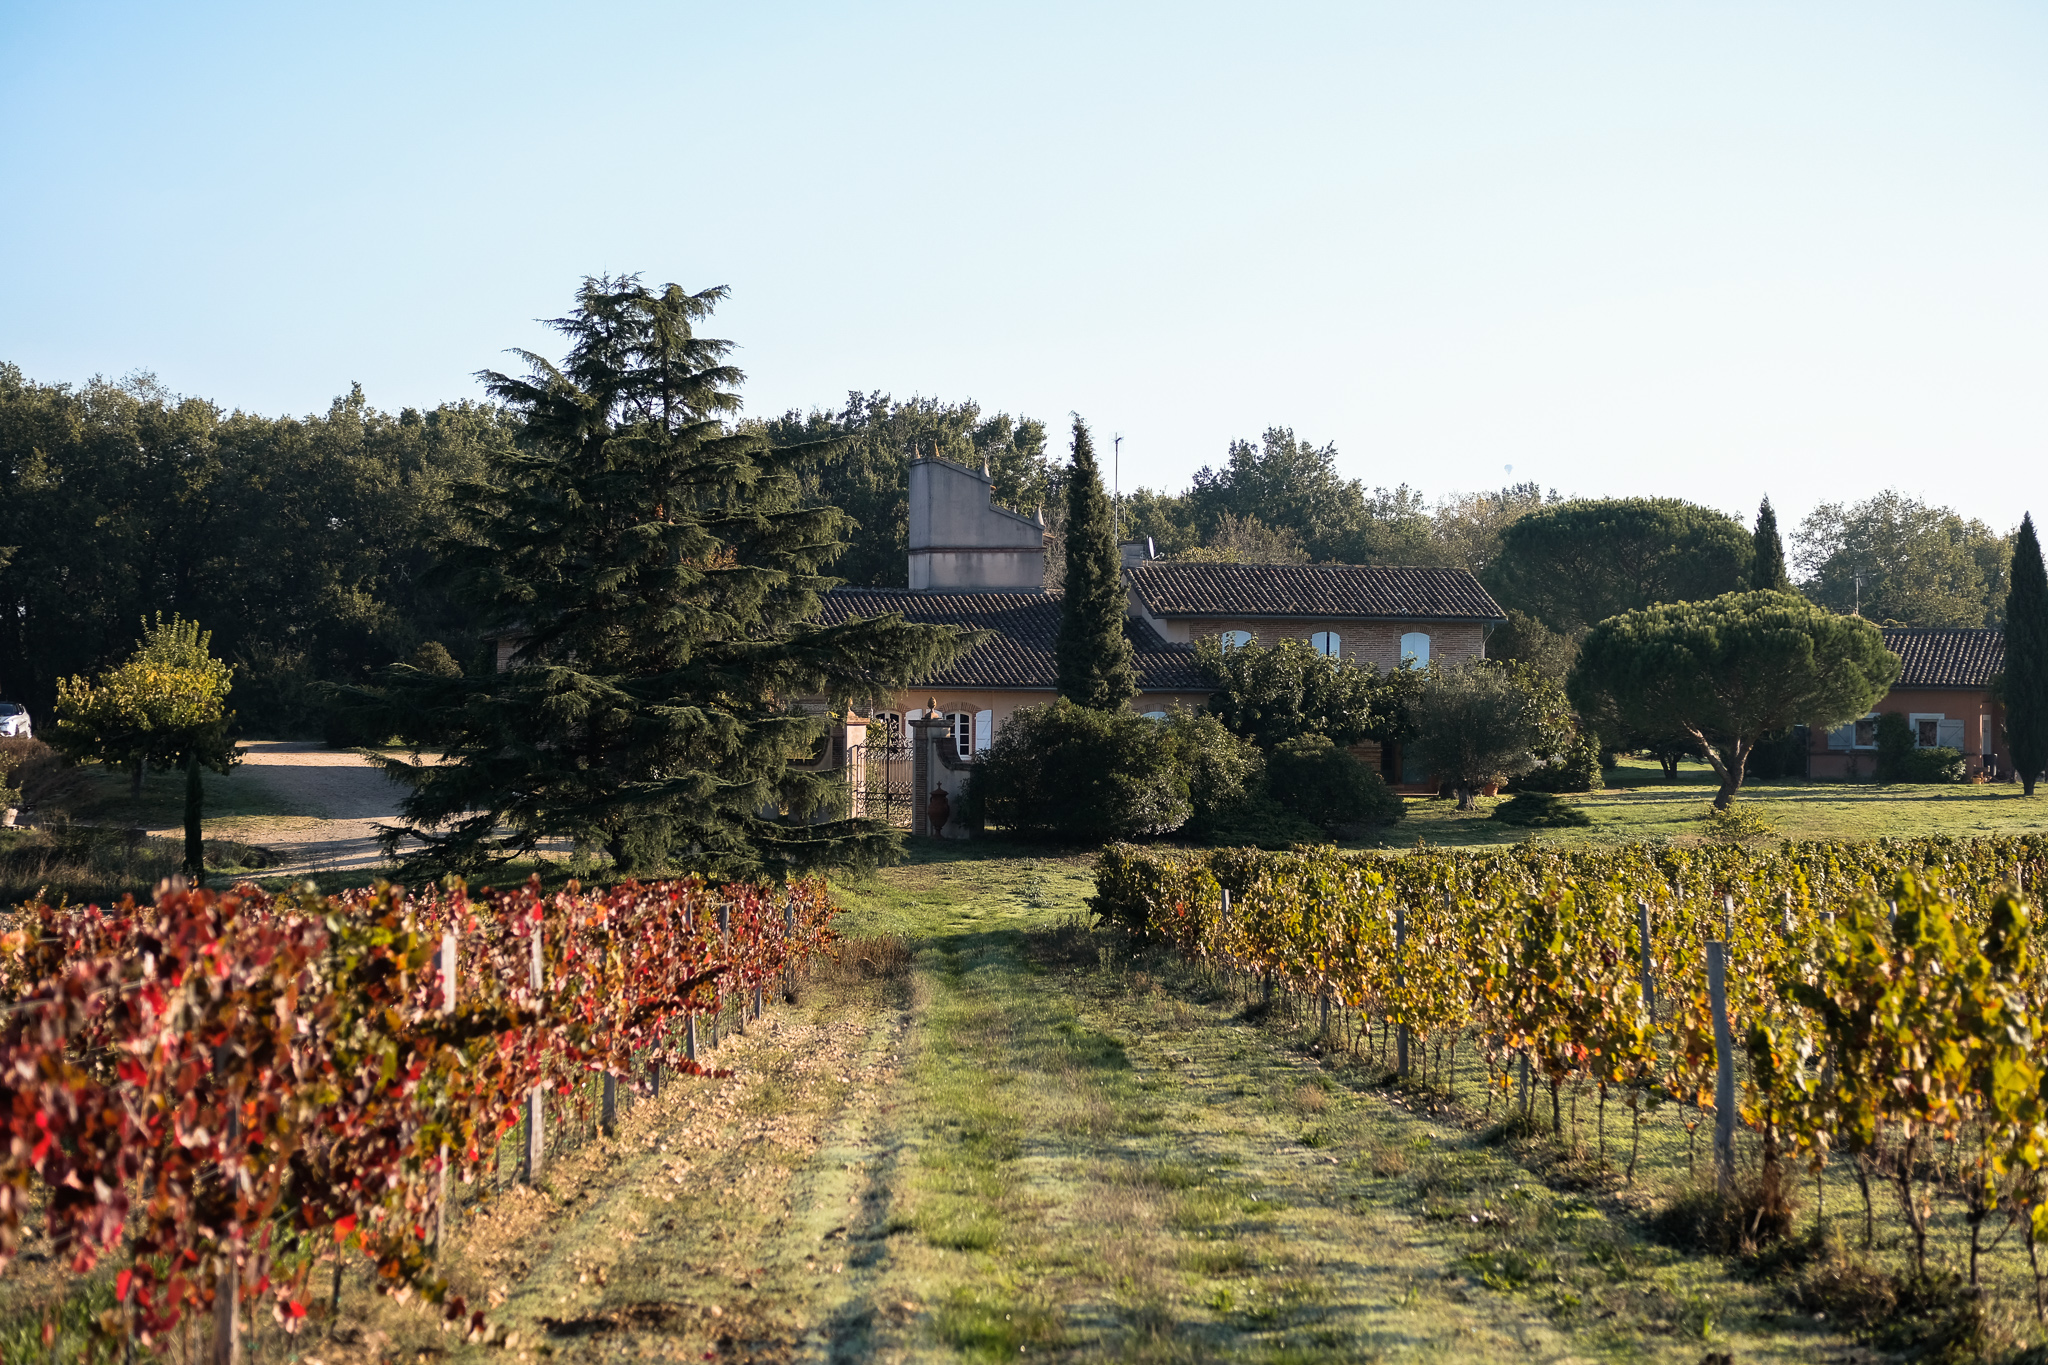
[
  {"x": 979, "y": 565},
  {"x": 1944, "y": 692}
]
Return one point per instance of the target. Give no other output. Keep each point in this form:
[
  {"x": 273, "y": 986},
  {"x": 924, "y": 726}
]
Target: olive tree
[
  {"x": 1729, "y": 671},
  {"x": 1477, "y": 724}
]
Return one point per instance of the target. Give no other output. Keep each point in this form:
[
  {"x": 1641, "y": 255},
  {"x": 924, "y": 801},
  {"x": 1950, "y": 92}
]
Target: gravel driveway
[{"x": 336, "y": 800}]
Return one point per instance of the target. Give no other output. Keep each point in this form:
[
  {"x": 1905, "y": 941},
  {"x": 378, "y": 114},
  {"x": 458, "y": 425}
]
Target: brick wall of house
[
  {"x": 1365, "y": 642},
  {"x": 1983, "y": 721}
]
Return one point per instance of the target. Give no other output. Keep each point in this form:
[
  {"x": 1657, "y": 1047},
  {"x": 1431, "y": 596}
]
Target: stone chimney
[{"x": 961, "y": 542}]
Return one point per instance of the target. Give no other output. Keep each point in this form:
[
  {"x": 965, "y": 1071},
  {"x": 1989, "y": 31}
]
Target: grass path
[{"x": 1021, "y": 1145}]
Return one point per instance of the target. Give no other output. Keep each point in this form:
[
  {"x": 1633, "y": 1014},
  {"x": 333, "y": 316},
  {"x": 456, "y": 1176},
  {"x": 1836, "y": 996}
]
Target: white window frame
[
  {"x": 1410, "y": 655},
  {"x": 960, "y": 724},
  {"x": 1327, "y": 643},
  {"x": 1914, "y": 718},
  {"x": 1871, "y": 747}
]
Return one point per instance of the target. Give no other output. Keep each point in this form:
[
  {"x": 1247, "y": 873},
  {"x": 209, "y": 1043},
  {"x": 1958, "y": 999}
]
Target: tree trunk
[
  {"x": 1464, "y": 797},
  {"x": 195, "y": 844},
  {"x": 1728, "y": 768},
  {"x": 135, "y": 784}
]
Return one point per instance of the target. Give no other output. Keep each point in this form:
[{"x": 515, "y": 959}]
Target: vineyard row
[
  {"x": 218, "y": 1091},
  {"x": 1886, "y": 999}
]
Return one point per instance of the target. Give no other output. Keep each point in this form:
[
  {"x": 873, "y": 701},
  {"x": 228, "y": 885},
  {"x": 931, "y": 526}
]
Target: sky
[{"x": 1709, "y": 251}]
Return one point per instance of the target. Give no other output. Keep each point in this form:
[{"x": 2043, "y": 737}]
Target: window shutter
[
  {"x": 1842, "y": 737},
  {"x": 1949, "y": 734},
  {"x": 984, "y": 731}
]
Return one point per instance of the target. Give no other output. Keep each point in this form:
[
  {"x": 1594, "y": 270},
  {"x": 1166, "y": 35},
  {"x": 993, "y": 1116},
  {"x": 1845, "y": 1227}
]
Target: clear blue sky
[{"x": 1703, "y": 250}]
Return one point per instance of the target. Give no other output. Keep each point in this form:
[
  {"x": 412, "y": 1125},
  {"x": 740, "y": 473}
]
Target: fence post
[
  {"x": 1400, "y": 954},
  {"x": 535, "y": 1109},
  {"x": 447, "y": 1008},
  {"x": 1728, "y": 922},
  {"x": 1522, "y": 1102},
  {"x": 1649, "y": 985},
  {"x": 1724, "y": 1078},
  {"x": 227, "y": 1293},
  {"x": 724, "y": 945}
]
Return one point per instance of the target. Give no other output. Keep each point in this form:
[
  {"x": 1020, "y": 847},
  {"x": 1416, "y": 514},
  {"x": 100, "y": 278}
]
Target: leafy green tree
[
  {"x": 1575, "y": 563},
  {"x": 2025, "y": 684},
  {"x": 1313, "y": 780},
  {"x": 301, "y": 542},
  {"x": 1465, "y": 532},
  {"x": 1767, "y": 565},
  {"x": 1730, "y": 671},
  {"x": 1899, "y": 561},
  {"x": 1273, "y": 695},
  {"x": 165, "y": 707},
  {"x": 1476, "y": 725},
  {"x": 1246, "y": 540},
  {"x": 1096, "y": 666},
  {"x": 663, "y": 580}
]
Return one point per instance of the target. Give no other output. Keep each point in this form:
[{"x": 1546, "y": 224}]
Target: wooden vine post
[
  {"x": 1400, "y": 957},
  {"x": 535, "y": 1117},
  {"x": 447, "y": 1008},
  {"x": 227, "y": 1292},
  {"x": 1649, "y": 982},
  {"x": 1724, "y": 1076}
]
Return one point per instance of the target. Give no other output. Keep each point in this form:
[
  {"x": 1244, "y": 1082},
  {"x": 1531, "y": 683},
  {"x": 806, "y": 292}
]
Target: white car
[{"x": 14, "y": 720}]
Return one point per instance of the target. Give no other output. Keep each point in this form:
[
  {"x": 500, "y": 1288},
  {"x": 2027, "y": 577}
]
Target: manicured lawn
[{"x": 1644, "y": 806}]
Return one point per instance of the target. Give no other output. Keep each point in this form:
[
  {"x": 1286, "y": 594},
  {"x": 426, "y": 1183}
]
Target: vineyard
[
  {"x": 216, "y": 1095},
  {"x": 1872, "y": 1006}
]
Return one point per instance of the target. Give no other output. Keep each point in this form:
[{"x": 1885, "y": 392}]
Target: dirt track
[{"x": 335, "y": 800}]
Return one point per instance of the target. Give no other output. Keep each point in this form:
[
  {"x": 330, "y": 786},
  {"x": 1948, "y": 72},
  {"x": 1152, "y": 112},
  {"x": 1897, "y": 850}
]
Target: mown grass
[
  {"x": 1117, "y": 1160},
  {"x": 1642, "y": 805}
]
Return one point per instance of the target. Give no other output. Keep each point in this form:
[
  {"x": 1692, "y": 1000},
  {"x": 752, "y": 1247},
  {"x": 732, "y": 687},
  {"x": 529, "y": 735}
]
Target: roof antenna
[{"x": 1116, "y": 498}]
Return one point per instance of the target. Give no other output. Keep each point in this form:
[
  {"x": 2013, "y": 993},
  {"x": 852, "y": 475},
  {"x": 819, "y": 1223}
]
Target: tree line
[{"x": 303, "y": 543}]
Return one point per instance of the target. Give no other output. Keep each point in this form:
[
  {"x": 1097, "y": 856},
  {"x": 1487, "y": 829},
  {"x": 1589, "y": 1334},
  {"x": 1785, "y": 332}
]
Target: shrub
[
  {"x": 47, "y": 785},
  {"x": 1223, "y": 771},
  {"x": 1894, "y": 746},
  {"x": 1328, "y": 787},
  {"x": 1933, "y": 765},
  {"x": 1574, "y": 768},
  {"x": 1066, "y": 770},
  {"x": 1540, "y": 810}
]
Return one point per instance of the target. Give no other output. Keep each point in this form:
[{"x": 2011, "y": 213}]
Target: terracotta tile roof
[
  {"x": 1020, "y": 653},
  {"x": 1324, "y": 591},
  {"x": 1946, "y": 657}
]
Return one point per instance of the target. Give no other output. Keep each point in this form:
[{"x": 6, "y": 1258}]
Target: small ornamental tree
[
  {"x": 166, "y": 707},
  {"x": 2026, "y": 658},
  {"x": 1736, "y": 669},
  {"x": 1477, "y": 725},
  {"x": 1093, "y": 655},
  {"x": 1767, "y": 569}
]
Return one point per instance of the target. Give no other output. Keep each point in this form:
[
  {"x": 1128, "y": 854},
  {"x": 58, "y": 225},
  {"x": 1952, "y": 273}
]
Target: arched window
[
  {"x": 1153, "y": 715},
  {"x": 1328, "y": 643},
  {"x": 1415, "y": 649},
  {"x": 885, "y": 727},
  {"x": 1233, "y": 638}
]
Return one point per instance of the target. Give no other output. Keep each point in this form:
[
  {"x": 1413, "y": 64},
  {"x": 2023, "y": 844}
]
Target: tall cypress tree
[
  {"x": 1767, "y": 570},
  {"x": 2026, "y": 658},
  {"x": 1094, "y": 655},
  {"x": 663, "y": 583}
]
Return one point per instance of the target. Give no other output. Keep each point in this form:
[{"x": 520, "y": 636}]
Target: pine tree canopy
[
  {"x": 1767, "y": 570},
  {"x": 2026, "y": 657},
  {"x": 662, "y": 580},
  {"x": 1093, "y": 653}
]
